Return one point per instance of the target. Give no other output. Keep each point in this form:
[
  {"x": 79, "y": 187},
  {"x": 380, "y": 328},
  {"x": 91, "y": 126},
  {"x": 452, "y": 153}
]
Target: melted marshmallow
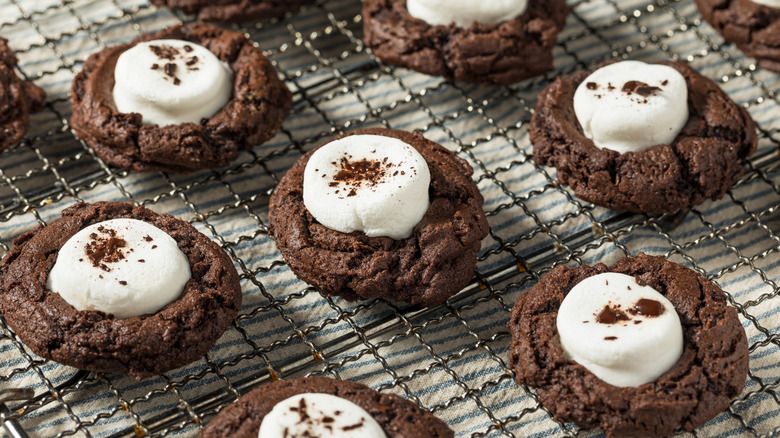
[
  {"x": 170, "y": 82},
  {"x": 125, "y": 267},
  {"x": 770, "y": 3},
  {"x": 369, "y": 183},
  {"x": 319, "y": 415},
  {"x": 624, "y": 333},
  {"x": 465, "y": 12},
  {"x": 630, "y": 106}
]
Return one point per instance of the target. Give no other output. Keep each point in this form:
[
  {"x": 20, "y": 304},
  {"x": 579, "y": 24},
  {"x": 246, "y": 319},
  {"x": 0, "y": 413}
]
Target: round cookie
[
  {"x": 485, "y": 54},
  {"x": 254, "y": 114},
  {"x": 141, "y": 346},
  {"x": 436, "y": 262},
  {"x": 233, "y": 11},
  {"x": 711, "y": 371},
  {"x": 752, "y": 27},
  {"x": 398, "y": 417},
  {"x": 18, "y": 99},
  {"x": 701, "y": 163}
]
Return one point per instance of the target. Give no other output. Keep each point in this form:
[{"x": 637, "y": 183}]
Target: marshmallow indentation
[
  {"x": 625, "y": 333},
  {"x": 319, "y": 415},
  {"x": 630, "y": 106},
  {"x": 170, "y": 82},
  {"x": 369, "y": 183},
  {"x": 125, "y": 267},
  {"x": 465, "y": 12}
]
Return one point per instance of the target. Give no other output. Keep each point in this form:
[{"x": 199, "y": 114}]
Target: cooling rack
[{"x": 450, "y": 359}]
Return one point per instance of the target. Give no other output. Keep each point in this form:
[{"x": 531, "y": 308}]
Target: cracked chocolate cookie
[
  {"x": 397, "y": 417},
  {"x": 434, "y": 262},
  {"x": 18, "y": 99},
  {"x": 233, "y": 11},
  {"x": 710, "y": 371},
  {"x": 485, "y": 54},
  {"x": 257, "y": 101},
  {"x": 50, "y": 323},
  {"x": 701, "y": 163},
  {"x": 754, "y": 27}
]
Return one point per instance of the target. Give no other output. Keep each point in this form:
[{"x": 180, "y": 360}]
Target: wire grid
[{"x": 451, "y": 359}]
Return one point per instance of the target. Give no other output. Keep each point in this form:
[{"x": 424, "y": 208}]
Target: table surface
[{"x": 450, "y": 359}]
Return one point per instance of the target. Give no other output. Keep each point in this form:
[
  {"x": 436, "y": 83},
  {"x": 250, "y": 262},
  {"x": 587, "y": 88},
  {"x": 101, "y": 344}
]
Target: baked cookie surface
[
  {"x": 141, "y": 346},
  {"x": 754, "y": 28},
  {"x": 702, "y": 162},
  {"x": 484, "y": 54},
  {"x": 18, "y": 99},
  {"x": 398, "y": 417},
  {"x": 233, "y": 11},
  {"x": 259, "y": 104},
  {"x": 711, "y": 371},
  {"x": 436, "y": 262}
]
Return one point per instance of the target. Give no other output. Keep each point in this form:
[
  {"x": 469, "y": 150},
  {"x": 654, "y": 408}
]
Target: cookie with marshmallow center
[
  {"x": 380, "y": 213},
  {"x": 752, "y": 25},
  {"x": 489, "y": 43},
  {"x": 323, "y": 407},
  {"x": 641, "y": 348},
  {"x": 233, "y": 11},
  {"x": 18, "y": 98},
  {"x": 650, "y": 138},
  {"x": 181, "y": 99},
  {"x": 115, "y": 288}
]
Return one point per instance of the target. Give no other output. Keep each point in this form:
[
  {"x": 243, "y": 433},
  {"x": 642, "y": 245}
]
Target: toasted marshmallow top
[
  {"x": 125, "y": 267},
  {"x": 624, "y": 333},
  {"x": 465, "y": 12},
  {"x": 630, "y": 106},
  {"x": 170, "y": 82},
  {"x": 319, "y": 415},
  {"x": 369, "y": 183},
  {"x": 770, "y": 3}
]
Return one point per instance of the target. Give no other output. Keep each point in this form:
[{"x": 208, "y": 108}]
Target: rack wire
[{"x": 450, "y": 359}]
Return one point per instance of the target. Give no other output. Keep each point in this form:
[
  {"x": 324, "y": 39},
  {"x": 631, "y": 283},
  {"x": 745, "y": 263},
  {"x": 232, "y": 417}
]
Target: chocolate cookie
[
  {"x": 18, "y": 99},
  {"x": 233, "y": 11},
  {"x": 436, "y": 262},
  {"x": 754, "y": 28},
  {"x": 485, "y": 54},
  {"x": 254, "y": 114},
  {"x": 711, "y": 371},
  {"x": 398, "y": 417},
  {"x": 142, "y": 346},
  {"x": 702, "y": 162}
]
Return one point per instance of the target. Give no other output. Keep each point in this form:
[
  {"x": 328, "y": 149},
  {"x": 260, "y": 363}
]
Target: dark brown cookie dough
[
  {"x": 711, "y": 371},
  {"x": 485, "y": 54},
  {"x": 436, "y": 262},
  {"x": 233, "y": 11},
  {"x": 398, "y": 417},
  {"x": 702, "y": 162},
  {"x": 141, "y": 346},
  {"x": 259, "y": 105},
  {"x": 18, "y": 99},
  {"x": 753, "y": 28}
]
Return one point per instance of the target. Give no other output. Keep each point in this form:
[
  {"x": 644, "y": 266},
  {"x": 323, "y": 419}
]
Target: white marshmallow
[
  {"x": 770, "y": 3},
  {"x": 144, "y": 271},
  {"x": 465, "y": 12},
  {"x": 170, "y": 82},
  {"x": 628, "y": 352},
  {"x": 632, "y": 121},
  {"x": 319, "y": 415},
  {"x": 388, "y": 199}
]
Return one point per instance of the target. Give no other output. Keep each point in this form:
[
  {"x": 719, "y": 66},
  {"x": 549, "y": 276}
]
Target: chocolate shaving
[{"x": 639, "y": 88}]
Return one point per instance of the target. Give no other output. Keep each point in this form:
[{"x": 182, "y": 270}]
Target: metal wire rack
[{"x": 451, "y": 359}]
